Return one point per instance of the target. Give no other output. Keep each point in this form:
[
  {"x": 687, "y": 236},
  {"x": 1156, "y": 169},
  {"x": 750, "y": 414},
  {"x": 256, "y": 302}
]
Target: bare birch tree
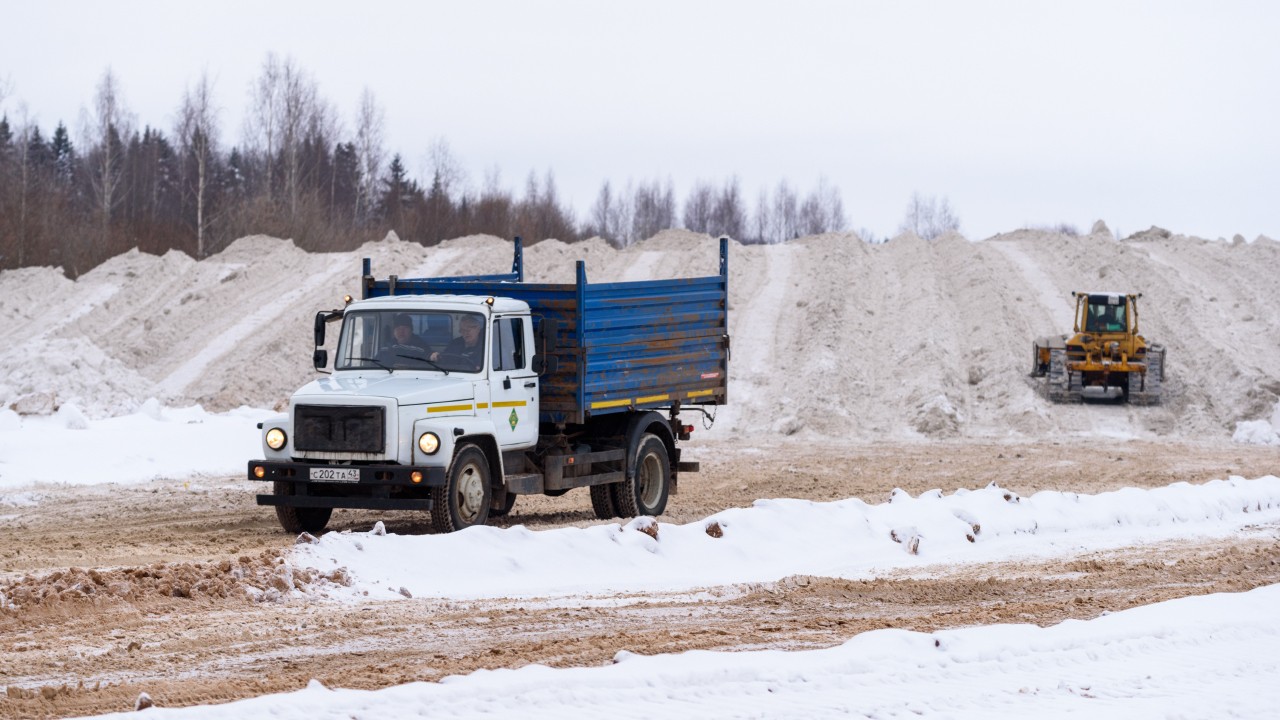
[
  {"x": 623, "y": 216},
  {"x": 728, "y": 216},
  {"x": 786, "y": 213},
  {"x": 197, "y": 132},
  {"x": 107, "y": 127},
  {"x": 928, "y": 217},
  {"x": 23, "y": 150},
  {"x": 601, "y": 213},
  {"x": 370, "y": 153},
  {"x": 654, "y": 209},
  {"x": 763, "y": 222},
  {"x": 442, "y": 164},
  {"x": 698, "y": 207},
  {"x": 299, "y": 113},
  {"x": 263, "y": 121},
  {"x": 822, "y": 210}
]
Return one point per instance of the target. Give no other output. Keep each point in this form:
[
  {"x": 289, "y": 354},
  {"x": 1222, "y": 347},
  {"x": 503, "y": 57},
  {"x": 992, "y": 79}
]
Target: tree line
[{"x": 299, "y": 172}]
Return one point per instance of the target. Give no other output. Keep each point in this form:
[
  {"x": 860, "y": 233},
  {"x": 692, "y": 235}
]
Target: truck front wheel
[
  {"x": 464, "y": 500},
  {"x": 299, "y": 519},
  {"x": 645, "y": 492}
]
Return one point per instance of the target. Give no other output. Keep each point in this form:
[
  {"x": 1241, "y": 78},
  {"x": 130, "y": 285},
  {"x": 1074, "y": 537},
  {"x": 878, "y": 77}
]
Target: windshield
[
  {"x": 1105, "y": 317},
  {"x": 411, "y": 340}
]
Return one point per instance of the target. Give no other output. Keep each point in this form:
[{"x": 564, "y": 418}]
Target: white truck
[{"x": 455, "y": 395}]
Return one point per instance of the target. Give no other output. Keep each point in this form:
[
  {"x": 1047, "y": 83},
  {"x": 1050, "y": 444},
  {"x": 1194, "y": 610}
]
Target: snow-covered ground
[
  {"x": 1197, "y": 657},
  {"x": 155, "y": 442},
  {"x": 1210, "y": 656},
  {"x": 1203, "y": 656}
]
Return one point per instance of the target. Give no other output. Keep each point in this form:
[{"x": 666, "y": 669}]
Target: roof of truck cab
[{"x": 452, "y": 303}]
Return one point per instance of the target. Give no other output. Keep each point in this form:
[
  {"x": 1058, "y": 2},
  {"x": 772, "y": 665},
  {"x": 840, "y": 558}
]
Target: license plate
[{"x": 329, "y": 474}]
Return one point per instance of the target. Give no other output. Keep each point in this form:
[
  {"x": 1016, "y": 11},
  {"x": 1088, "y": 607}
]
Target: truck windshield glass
[{"x": 411, "y": 340}]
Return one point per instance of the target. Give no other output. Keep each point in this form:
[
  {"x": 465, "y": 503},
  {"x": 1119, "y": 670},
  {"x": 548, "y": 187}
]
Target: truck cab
[{"x": 397, "y": 406}]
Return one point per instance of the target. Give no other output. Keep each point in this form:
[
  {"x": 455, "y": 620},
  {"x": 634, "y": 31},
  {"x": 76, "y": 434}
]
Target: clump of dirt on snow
[{"x": 265, "y": 578}]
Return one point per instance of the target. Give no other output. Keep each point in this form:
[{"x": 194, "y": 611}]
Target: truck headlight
[
  {"x": 276, "y": 438},
  {"x": 429, "y": 443}
]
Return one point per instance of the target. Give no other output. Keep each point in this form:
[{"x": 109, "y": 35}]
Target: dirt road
[{"x": 152, "y": 587}]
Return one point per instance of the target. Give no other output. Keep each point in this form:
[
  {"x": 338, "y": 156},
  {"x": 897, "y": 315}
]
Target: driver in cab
[{"x": 402, "y": 332}]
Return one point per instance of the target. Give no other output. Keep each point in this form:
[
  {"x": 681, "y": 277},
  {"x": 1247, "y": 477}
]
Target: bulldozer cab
[{"x": 1105, "y": 313}]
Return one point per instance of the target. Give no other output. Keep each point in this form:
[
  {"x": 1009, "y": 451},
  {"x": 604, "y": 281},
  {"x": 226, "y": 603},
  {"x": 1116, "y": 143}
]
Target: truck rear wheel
[
  {"x": 299, "y": 519},
  {"x": 602, "y": 502},
  {"x": 645, "y": 492},
  {"x": 464, "y": 500}
]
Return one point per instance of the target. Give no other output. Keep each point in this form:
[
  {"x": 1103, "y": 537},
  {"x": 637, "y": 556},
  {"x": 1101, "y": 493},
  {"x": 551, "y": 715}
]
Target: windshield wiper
[
  {"x": 375, "y": 361},
  {"x": 420, "y": 358}
]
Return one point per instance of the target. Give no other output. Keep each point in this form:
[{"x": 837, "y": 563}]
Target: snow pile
[
  {"x": 778, "y": 538},
  {"x": 1259, "y": 432},
  {"x": 831, "y": 337},
  {"x": 1209, "y": 656},
  {"x": 155, "y": 442}
]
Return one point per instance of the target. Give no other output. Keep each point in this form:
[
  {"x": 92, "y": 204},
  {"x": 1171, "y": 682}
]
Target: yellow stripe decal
[
  {"x": 482, "y": 406},
  {"x": 511, "y": 403},
  {"x": 449, "y": 408},
  {"x": 700, "y": 393},
  {"x": 652, "y": 398},
  {"x": 611, "y": 403}
]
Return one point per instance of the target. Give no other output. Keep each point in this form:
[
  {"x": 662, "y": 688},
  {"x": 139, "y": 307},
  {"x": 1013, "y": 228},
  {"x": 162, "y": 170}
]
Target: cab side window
[{"x": 508, "y": 344}]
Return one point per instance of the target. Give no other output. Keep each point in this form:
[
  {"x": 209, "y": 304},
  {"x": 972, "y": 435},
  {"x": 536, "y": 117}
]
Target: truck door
[{"x": 513, "y": 386}]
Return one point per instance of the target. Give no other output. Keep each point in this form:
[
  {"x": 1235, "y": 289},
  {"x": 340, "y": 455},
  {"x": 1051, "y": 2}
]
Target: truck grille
[{"x": 338, "y": 428}]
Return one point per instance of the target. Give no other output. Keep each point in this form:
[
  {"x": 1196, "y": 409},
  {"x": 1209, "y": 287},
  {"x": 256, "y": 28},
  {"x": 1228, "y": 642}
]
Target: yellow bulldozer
[{"x": 1106, "y": 358}]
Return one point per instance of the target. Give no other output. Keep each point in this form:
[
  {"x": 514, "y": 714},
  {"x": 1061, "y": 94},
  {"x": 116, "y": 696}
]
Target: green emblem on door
[{"x": 514, "y": 419}]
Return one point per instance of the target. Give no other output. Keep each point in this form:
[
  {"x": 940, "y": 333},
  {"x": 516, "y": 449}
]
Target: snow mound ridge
[
  {"x": 779, "y": 538},
  {"x": 832, "y": 337}
]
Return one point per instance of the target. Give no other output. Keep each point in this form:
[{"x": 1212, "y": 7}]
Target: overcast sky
[{"x": 1136, "y": 113}]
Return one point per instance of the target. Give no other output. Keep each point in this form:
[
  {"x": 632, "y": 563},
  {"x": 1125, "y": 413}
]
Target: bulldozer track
[
  {"x": 1062, "y": 386},
  {"x": 1145, "y": 388}
]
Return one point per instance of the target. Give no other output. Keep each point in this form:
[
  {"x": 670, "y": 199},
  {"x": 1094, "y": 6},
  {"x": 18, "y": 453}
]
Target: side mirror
[
  {"x": 321, "y": 317},
  {"x": 545, "y": 364},
  {"x": 320, "y": 358},
  {"x": 550, "y": 331}
]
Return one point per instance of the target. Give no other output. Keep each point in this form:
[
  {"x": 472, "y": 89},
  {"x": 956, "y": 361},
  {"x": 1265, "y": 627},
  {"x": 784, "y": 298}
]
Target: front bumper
[
  {"x": 1106, "y": 366},
  {"x": 380, "y": 487}
]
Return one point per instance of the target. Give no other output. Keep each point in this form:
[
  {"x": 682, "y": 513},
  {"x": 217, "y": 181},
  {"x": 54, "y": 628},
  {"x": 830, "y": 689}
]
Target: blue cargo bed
[{"x": 619, "y": 346}]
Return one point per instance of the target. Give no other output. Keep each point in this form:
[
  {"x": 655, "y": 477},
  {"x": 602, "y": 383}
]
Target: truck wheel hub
[{"x": 470, "y": 493}]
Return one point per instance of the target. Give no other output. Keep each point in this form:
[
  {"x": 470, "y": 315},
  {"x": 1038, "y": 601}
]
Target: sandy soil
[{"x": 173, "y": 587}]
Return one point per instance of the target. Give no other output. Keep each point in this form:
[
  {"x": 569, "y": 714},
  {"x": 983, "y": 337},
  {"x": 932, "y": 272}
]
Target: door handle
[{"x": 531, "y": 384}]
